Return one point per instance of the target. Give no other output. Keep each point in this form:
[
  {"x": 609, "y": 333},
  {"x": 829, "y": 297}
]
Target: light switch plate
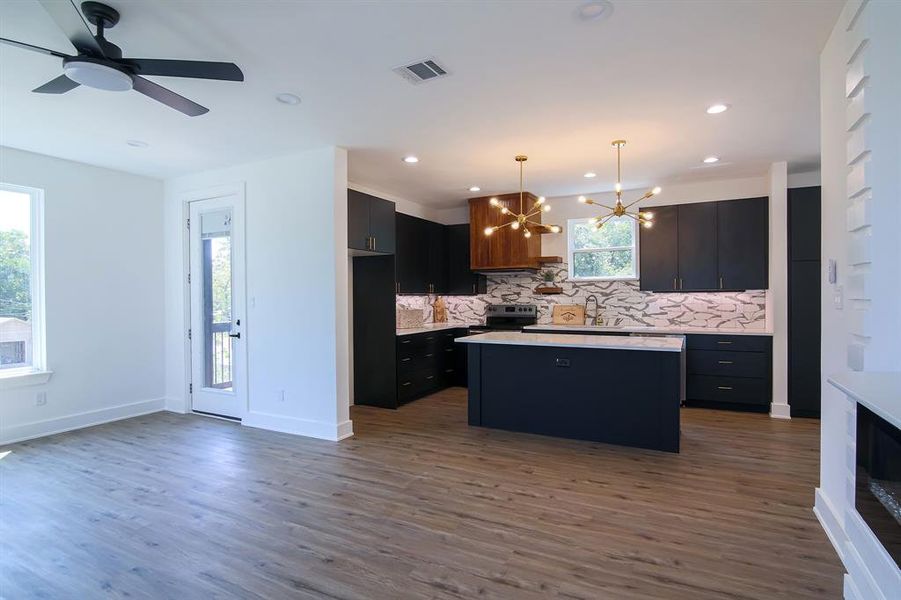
[{"x": 838, "y": 297}]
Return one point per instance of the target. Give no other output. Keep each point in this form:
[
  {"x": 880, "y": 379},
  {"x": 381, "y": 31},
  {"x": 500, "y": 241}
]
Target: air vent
[{"x": 424, "y": 70}]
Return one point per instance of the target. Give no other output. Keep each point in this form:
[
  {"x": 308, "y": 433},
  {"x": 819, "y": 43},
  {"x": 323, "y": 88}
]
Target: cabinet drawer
[
  {"x": 419, "y": 360},
  {"x": 727, "y": 389},
  {"x": 730, "y": 364},
  {"x": 732, "y": 343},
  {"x": 418, "y": 383}
]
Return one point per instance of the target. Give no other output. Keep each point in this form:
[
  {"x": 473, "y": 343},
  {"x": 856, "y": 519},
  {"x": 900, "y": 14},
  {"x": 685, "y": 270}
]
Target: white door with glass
[{"x": 218, "y": 341}]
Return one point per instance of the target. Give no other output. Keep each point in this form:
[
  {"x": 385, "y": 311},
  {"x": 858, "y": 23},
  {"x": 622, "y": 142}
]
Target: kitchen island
[{"x": 613, "y": 389}]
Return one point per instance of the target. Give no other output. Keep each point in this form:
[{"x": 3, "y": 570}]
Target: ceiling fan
[{"x": 99, "y": 63}]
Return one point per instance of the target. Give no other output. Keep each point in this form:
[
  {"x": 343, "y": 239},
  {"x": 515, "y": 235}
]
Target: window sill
[
  {"x": 16, "y": 378},
  {"x": 590, "y": 279}
]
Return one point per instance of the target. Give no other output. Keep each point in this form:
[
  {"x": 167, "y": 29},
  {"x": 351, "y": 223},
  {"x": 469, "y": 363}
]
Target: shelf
[
  {"x": 546, "y": 260},
  {"x": 542, "y": 289}
]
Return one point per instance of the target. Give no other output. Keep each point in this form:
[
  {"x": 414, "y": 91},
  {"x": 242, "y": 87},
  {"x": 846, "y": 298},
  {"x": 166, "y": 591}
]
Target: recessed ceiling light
[
  {"x": 715, "y": 109},
  {"x": 411, "y": 159},
  {"x": 594, "y": 10},
  {"x": 590, "y": 175},
  {"x": 711, "y": 159},
  {"x": 137, "y": 143},
  {"x": 286, "y": 98},
  {"x": 475, "y": 188}
]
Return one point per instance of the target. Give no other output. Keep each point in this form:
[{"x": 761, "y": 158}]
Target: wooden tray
[{"x": 568, "y": 314}]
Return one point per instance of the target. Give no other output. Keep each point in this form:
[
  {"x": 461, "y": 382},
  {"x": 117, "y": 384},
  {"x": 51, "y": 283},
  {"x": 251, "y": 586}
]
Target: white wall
[
  {"x": 297, "y": 279},
  {"x": 104, "y": 303},
  {"x": 860, "y": 91}
]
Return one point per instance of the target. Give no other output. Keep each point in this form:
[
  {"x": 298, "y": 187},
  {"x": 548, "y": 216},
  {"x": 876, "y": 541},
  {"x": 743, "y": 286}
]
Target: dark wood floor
[{"x": 416, "y": 505}]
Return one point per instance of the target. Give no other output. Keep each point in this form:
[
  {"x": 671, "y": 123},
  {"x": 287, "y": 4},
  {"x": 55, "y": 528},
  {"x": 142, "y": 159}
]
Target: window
[
  {"x": 21, "y": 280},
  {"x": 605, "y": 253}
]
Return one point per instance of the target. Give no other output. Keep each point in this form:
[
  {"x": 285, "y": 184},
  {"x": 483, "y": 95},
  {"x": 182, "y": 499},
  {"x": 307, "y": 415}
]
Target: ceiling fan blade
[
  {"x": 25, "y": 46},
  {"x": 68, "y": 17},
  {"x": 60, "y": 85},
  {"x": 168, "y": 97},
  {"x": 197, "y": 69}
]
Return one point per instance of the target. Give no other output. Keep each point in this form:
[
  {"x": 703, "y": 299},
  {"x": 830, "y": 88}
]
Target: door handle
[
  {"x": 724, "y": 387},
  {"x": 235, "y": 335},
  {"x": 721, "y": 282},
  {"x": 674, "y": 284},
  {"x": 680, "y": 283},
  {"x": 725, "y": 362}
]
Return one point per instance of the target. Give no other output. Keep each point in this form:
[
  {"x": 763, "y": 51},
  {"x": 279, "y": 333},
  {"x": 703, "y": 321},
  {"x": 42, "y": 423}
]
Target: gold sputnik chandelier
[
  {"x": 523, "y": 219},
  {"x": 619, "y": 209}
]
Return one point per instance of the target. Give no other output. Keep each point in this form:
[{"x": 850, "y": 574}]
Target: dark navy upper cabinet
[
  {"x": 706, "y": 246},
  {"x": 461, "y": 281},
  {"x": 697, "y": 244},
  {"x": 412, "y": 255},
  {"x": 743, "y": 244},
  {"x": 659, "y": 247},
  {"x": 370, "y": 223}
]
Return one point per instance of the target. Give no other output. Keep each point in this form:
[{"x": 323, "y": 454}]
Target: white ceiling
[{"x": 527, "y": 77}]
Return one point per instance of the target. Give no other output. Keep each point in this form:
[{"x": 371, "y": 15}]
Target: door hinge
[
  {"x": 189, "y": 279},
  {"x": 188, "y": 224},
  {"x": 189, "y": 334},
  {"x": 190, "y": 388}
]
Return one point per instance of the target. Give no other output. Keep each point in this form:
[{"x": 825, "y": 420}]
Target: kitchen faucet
[{"x": 597, "y": 317}]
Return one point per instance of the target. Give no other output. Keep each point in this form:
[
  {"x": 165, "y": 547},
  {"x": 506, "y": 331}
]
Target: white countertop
[
  {"x": 648, "y": 329},
  {"x": 880, "y": 392},
  {"x": 598, "y": 342},
  {"x": 426, "y": 327}
]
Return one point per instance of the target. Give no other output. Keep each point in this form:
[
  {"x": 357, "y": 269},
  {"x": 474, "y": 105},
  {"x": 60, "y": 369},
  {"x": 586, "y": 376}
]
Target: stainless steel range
[{"x": 507, "y": 317}]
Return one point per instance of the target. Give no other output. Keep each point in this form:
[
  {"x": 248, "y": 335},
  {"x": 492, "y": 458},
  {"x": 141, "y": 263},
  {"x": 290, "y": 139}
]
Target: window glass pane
[
  {"x": 16, "y": 345},
  {"x": 217, "y": 298},
  {"x": 604, "y": 263},
  {"x": 618, "y": 231}
]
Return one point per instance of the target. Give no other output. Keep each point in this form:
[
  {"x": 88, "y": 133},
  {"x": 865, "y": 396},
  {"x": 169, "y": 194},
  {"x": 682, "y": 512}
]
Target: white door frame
[{"x": 236, "y": 190}]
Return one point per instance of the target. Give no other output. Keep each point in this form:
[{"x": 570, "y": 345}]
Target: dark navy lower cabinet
[
  {"x": 729, "y": 371},
  {"x": 625, "y": 397},
  {"x": 429, "y": 362}
]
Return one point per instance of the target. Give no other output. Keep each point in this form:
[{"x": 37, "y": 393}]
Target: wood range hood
[{"x": 506, "y": 250}]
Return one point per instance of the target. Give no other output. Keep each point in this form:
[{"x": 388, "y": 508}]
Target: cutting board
[{"x": 568, "y": 314}]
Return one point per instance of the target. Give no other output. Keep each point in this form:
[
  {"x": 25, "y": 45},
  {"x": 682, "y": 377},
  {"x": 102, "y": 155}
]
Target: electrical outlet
[{"x": 40, "y": 399}]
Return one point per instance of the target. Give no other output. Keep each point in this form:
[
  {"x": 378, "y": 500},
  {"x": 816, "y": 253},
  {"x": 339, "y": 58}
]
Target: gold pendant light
[
  {"x": 522, "y": 219},
  {"x": 619, "y": 209}
]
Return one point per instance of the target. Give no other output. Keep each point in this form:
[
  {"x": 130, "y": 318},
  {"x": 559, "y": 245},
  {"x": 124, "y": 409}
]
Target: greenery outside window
[
  {"x": 21, "y": 281},
  {"x": 608, "y": 253}
]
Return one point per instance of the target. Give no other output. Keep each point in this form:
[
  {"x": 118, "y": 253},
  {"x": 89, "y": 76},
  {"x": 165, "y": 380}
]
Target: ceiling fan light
[{"x": 98, "y": 76}]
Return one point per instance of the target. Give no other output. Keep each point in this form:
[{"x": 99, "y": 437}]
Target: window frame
[
  {"x": 37, "y": 372},
  {"x": 571, "y": 252}
]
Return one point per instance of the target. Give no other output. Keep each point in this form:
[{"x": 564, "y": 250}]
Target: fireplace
[{"x": 877, "y": 495}]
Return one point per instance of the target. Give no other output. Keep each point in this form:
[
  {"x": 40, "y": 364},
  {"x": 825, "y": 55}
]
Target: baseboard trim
[
  {"x": 780, "y": 411},
  {"x": 315, "y": 429},
  {"x": 829, "y": 520},
  {"x": 37, "y": 429}
]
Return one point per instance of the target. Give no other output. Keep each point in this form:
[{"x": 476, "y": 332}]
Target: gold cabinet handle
[
  {"x": 674, "y": 284},
  {"x": 721, "y": 282},
  {"x": 680, "y": 283}
]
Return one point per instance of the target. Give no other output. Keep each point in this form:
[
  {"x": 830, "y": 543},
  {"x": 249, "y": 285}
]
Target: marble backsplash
[{"x": 616, "y": 299}]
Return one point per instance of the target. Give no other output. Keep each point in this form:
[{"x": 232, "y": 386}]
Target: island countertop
[{"x": 599, "y": 342}]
